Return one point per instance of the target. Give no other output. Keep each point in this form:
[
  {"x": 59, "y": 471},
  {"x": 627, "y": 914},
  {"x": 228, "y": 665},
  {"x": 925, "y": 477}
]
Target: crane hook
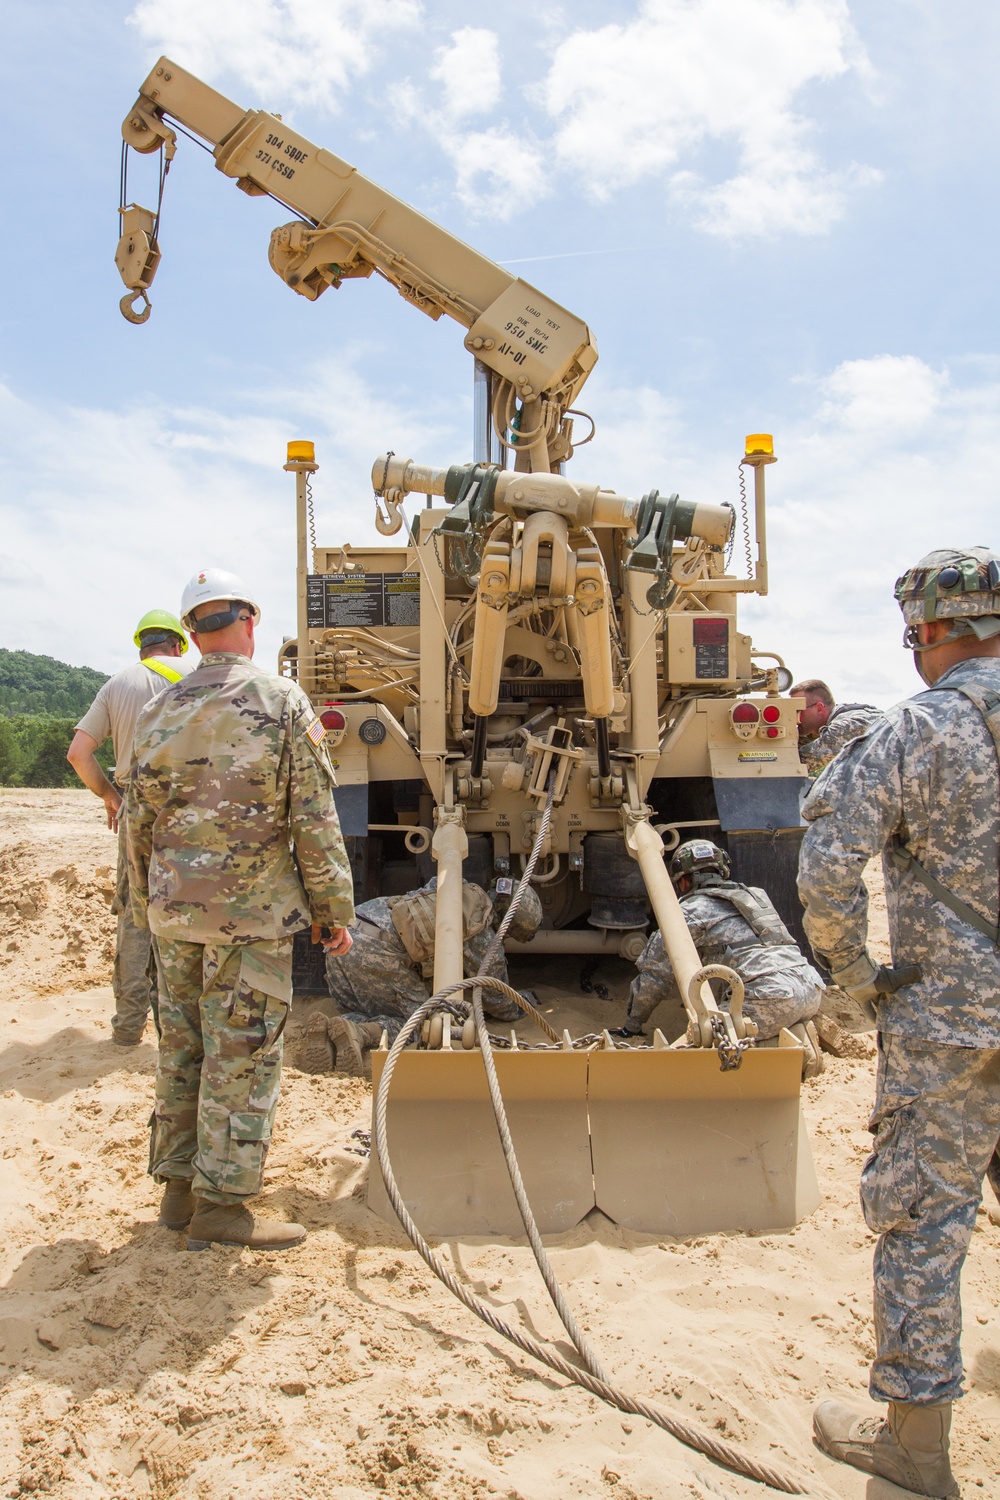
[
  {"x": 391, "y": 522},
  {"x": 127, "y": 305}
]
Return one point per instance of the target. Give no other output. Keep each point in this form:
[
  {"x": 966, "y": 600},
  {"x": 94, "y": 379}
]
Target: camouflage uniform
[
  {"x": 377, "y": 980},
  {"x": 781, "y": 987},
  {"x": 924, "y": 780},
  {"x": 847, "y": 722},
  {"x": 226, "y": 782}
]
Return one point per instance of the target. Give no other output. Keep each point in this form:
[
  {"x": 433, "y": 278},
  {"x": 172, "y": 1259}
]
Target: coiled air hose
[{"x": 592, "y": 1376}]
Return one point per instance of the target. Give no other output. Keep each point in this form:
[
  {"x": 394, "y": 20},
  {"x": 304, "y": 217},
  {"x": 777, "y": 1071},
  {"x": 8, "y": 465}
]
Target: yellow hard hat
[{"x": 161, "y": 623}]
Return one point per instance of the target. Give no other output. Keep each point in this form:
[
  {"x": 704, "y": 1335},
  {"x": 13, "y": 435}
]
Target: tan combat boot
[
  {"x": 350, "y": 1042},
  {"x": 314, "y": 1053},
  {"x": 177, "y": 1204},
  {"x": 909, "y": 1447},
  {"x": 234, "y": 1224},
  {"x": 126, "y": 1038}
]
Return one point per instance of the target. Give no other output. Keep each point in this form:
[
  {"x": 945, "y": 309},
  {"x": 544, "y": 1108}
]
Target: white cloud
[
  {"x": 15, "y": 573},
  {"x": 122, "y": 506},
  {"x": 708, "y": 98},
  {"x": 287, "y": 51},
  {"x": 469, "y": 73},
  {"x": 497, "y": 169},
  {"x": 894, "y": 459},
  {"x": 897, "y": 459},
  {"x": 889, "y": 392},
  {"x": 647, "y": 97}
]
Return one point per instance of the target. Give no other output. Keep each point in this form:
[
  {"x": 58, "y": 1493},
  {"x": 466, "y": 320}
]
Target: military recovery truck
[{"x": 528, "y": 662}]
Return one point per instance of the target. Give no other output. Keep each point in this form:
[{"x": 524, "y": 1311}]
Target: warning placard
[{"x": 363, "y": 599}]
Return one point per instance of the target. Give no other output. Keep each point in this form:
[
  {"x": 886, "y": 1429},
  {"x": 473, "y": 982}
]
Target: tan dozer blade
[
  {"x": 681, "y": 1148},
  {"x": 445, "y": 1149}
]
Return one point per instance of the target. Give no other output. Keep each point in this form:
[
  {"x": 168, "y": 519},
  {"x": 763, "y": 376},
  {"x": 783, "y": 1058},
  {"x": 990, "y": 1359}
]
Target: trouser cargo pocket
[
  {"x": 240, "y": 1144},
  {"x": 889, "y": 1179}
]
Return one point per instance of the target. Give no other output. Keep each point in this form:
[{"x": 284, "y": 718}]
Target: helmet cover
[
  {"x": 951, "y": 583},
  {"x": 699, "y": 855}
]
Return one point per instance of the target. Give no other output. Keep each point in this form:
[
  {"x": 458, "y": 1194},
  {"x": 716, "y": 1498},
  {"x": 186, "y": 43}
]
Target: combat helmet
[
  {"x": 527, "y": 918},
  {"x": 702, "y": 860},
  {"x": 952, "y": 583}
]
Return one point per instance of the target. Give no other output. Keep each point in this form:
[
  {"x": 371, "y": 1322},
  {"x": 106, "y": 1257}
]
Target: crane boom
[{"x": 538, "y": 353}]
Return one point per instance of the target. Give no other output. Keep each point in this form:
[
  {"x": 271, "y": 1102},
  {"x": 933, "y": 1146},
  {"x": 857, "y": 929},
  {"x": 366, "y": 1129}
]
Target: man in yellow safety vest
[{"x": 160, "y": 638}]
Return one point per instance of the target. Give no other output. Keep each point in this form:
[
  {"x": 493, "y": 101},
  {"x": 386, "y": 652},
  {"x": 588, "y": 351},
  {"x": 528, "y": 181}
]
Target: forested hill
[{"x": 40, "y": 685}]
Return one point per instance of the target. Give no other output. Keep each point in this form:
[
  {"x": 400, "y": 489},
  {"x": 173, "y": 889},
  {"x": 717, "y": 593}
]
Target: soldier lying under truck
[
  {"x": 386, "y": 973},
  {"x": 736, "y": 925}
]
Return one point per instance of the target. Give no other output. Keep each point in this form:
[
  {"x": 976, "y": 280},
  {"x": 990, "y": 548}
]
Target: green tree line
[
  {"x": 41, "y": 702},
  {"x": 43, "y": 687},
  {"x": 33, "y": 751}
]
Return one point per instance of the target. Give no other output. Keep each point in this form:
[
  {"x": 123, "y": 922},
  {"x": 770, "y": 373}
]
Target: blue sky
[{"x": 774, "y": 214}]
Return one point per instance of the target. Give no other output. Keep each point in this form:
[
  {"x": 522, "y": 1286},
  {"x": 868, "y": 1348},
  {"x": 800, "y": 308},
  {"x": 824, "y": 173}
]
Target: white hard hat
[{"x": 213, "y": 584}]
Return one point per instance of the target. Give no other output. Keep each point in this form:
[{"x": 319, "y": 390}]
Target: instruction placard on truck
[{"x": 365, "y": 599}]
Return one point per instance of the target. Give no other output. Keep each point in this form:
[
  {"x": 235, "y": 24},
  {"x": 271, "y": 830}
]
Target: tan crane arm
[{"x": 350, "y": 227}]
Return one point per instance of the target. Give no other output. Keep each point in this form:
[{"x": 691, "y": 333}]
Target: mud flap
[
  {"x": 763, "y": 826},
  {"x": 681, "y": 1148},
  {"x": 771, "y": 860},
  {"x": 446, "y": 1154}
]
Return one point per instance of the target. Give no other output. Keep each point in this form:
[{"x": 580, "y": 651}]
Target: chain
[
  {"x": 385, "y": 473},
  {"x": 732, "y": 534},
  {"x": 746, "y": 522},
  {"x": 730, "y": 1053}
]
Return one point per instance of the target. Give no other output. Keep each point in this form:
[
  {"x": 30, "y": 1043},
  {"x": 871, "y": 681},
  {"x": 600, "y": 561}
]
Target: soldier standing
[
  {"x": 230, "y": 777},
  {"x": 922, "y": 791},
  {"x": 113, "y": 713},
  {"x": 825, "y": 727},
  {"x": 737, "y": 925}
]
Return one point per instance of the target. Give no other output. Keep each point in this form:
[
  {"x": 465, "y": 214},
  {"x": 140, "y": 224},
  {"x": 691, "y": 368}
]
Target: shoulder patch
[{"x": 316, "y": 732}]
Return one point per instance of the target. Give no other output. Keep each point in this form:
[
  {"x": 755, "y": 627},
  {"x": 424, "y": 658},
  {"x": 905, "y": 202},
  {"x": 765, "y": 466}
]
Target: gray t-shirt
[{"x": 119, "y": 702}]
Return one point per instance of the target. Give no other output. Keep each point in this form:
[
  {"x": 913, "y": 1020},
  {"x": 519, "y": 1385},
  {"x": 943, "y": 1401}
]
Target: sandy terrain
[{"x": 129, "y": 1367}]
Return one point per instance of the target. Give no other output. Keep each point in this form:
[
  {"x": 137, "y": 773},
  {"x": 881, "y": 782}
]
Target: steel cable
[
  {"x": 592, "y": 1377},
  {"x": 693, "y": 1437},
  {"x": 552, "y": 1286}
]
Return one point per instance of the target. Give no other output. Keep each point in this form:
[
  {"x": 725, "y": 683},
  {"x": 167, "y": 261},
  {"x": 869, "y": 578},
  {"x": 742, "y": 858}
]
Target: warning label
[{"x": 364, "y": 599}]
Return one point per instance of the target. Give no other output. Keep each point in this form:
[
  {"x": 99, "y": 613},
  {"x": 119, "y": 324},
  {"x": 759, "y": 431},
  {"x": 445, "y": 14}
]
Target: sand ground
[{"x": 129, "y": 1367}]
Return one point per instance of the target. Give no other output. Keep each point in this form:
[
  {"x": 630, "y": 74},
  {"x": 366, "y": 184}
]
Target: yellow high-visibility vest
[{"x": 161, "y": 669}]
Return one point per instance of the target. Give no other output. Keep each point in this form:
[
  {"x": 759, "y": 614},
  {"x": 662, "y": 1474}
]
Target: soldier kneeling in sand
[
  {"x": 385, "y": 974},
  {"x": 736, "y": 925}
]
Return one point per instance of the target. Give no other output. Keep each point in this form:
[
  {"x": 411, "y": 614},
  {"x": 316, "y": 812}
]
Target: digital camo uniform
[
  {"x": 847, "y": 722},
  {"x": 226, "y": 782},
  {"x": 736, "y": 925},
  {"x": 113, "y": 713},
  {"x": 379, "y": 980},
  {"x": 924, "y": 781}
]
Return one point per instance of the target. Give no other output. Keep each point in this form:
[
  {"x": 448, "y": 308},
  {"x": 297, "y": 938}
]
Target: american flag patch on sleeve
[{"x": 316, "y": 732}]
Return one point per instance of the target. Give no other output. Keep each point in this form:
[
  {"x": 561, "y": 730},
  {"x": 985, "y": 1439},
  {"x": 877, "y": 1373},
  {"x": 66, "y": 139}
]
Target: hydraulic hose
[{"x": 592, "y": 1377}]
